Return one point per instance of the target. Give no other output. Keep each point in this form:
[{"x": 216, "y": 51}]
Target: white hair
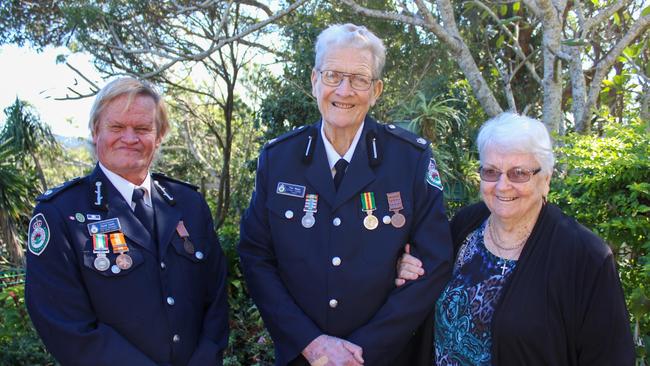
[
  {"x": 514, "y": 133},
  {"x": 354, "y": 36}
]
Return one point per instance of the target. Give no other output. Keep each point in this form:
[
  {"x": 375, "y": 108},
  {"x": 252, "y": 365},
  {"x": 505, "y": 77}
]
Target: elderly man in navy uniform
[
  {"x": 333, "y": 206},
  {"x": 124, "y": 267}
]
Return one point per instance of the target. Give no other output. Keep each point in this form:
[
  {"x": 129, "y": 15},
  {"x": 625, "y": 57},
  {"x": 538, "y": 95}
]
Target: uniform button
[
  {"x": 162, "y": 265},
  {"x": 198, "y": 255},
  {"x": 176, "y": 338},
  {"x": 170, "y": 301},
  {"x": 386, "y": 219},
  {"x": 336, "y": 261},
  {"x": 288, "y": 214},
  {"x": 333, "y": 303},
  {"x": 392, "y": 127},
  {"x": 421, "y": 141},
  {"x": 336, "y": 221}
]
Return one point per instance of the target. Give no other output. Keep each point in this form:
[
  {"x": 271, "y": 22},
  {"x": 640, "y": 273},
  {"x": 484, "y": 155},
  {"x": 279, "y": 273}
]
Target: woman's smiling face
[{"x": 513, "y": 201}]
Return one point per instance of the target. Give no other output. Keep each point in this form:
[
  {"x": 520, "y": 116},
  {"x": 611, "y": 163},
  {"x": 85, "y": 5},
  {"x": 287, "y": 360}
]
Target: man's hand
[
  {"x": 408, "y": 267},
  {"x": 331, "y": 351}
]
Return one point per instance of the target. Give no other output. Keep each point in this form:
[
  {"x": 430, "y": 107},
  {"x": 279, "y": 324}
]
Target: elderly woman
[
  {"x": 530, "y": 286},
  {"x": 333, "y": 205}
]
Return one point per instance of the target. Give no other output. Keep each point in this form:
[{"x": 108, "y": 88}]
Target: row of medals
[
  {"x": 123, "y": 261},
  {"x": 370, "y": 222}
]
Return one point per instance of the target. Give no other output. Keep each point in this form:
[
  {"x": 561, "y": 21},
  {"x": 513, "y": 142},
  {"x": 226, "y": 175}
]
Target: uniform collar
[
  {"x": 126, "y": 188},
  {"x": 332, "y": 155}
]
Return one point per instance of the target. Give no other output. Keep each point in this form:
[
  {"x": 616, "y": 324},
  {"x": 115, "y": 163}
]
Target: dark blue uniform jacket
[
  {"x": 337, "y": 277},
  {"x": 169, "y": 308}
]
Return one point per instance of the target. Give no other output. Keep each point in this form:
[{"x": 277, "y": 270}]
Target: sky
[{"x": 38, "y": 79}]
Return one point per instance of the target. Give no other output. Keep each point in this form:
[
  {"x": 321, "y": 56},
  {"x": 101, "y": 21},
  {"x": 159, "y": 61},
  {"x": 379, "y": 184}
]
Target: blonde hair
[{"x": 132, "y": 88}]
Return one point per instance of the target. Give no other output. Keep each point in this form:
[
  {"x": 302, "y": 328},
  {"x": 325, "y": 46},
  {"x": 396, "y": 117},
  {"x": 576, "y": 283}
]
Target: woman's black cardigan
[{"x": 563, "y": 304}]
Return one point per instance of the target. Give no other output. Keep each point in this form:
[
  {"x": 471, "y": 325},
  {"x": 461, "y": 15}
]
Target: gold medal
[{"x": 370, "y": 222}]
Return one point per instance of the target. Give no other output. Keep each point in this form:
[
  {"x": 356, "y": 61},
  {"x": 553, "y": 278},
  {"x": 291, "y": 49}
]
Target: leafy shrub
[
  {"x": 606, "y": 187},
  {"x": 19, "y": 343}
]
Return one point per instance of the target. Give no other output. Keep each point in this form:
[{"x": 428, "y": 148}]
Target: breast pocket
[
  {"x": 291, "y": 238},
  {"x": 193, "y": 249}
]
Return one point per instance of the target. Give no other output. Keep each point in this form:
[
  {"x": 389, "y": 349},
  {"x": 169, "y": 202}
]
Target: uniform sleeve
[
  {"x": 214, "y": 335},
  {"x": 291, "y": 328},
  {"x": 60, "y": 308},
  {"x": 604, "y": 336},
  {"x": 389, "y": 330}
]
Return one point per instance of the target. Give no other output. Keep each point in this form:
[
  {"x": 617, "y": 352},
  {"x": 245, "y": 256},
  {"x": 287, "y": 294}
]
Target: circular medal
[
  {"x": 124, "y": 261},
  {"x": 370, "y": 222},
  {"x": 308, "y": 221},
  {"x": 398, "y": 220},
  {"x": 188, "y": 246},
  {"x": 102, "y": 263}
]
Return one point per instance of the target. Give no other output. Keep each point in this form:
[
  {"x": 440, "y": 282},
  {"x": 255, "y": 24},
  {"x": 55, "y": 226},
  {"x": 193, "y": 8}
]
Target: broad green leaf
[
  {"x": 617, "y": 19},
  {"x": 500, "y": 41},
  {"x": 503, "y": 10},
  {"x": 516, "y": 6}
]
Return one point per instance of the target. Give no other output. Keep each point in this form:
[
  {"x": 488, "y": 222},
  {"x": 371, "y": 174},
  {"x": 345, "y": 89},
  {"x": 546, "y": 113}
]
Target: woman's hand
[{"x": 408, "y": 267}]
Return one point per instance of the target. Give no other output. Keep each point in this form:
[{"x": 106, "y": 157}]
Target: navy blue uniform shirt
[
  {"x": 337, "y": 277},
  {"x": 168, "y": 308}
]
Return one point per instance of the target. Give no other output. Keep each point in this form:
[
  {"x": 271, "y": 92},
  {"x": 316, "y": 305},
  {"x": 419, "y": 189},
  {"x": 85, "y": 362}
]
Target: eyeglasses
[
  {"x": 335, "y": 78},
  {"x": 515, "y": 175}
]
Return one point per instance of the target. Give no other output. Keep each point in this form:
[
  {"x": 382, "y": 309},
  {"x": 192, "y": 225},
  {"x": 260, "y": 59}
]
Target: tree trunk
[{"x": 11, "y": 240}]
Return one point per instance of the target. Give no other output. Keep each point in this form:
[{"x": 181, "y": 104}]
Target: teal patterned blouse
[{"x": 464, "y": 309}]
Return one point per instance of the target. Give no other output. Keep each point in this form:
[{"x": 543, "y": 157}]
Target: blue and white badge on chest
[{"x": 289, "y": 189}]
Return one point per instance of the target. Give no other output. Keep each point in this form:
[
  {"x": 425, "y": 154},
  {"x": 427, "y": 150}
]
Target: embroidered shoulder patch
[
  {"x": 39, "y": 234},
  {"x": 432, "y": 176}
]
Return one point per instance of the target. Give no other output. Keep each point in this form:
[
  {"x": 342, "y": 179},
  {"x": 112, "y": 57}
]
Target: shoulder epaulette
[
  {"x": 292, "y": 133},
  {"x": 50, "y": 193},
  {"x": 160, "y": 176},
  {"x": 415, "y": 140}
]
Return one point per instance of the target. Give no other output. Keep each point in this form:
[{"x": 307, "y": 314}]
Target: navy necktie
[
  {"x": 340, "y": 168},
  {"x": 143, "y": 212}
]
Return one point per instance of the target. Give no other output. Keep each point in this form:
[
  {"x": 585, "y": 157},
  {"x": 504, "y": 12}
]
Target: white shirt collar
[
  {"x": 332, "y": 155},
  {"x": 126, "y": 188}
]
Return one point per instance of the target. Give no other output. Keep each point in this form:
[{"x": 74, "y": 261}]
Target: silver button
[
  {"x": 336, "y": 261},
  {"x": 115, "y": 269},
  {"x": 162, "y": 265},
  {"x": 288, "y": 214},
  {"x": 421, "y": 141},
  {"x": 176, "y": 338},
  {"x": 391, "y": 126},
  {"x": 198, "y": 255},
  {"x": 336, "y": 221},
  {"x": 333, "y": 303},
  {"x": 386, "y": 219},
  {"x": 170, "y": 300}
]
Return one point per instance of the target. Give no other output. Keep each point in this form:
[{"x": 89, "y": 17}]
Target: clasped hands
[{"x": 326, "y": 350}]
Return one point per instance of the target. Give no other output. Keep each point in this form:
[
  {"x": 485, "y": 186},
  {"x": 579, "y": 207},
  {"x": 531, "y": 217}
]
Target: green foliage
[
  {"x": 19, "y": 343},
  {"x": 607, "y": 188},
  {"x": 250, "y": 342},
  {"x": 442, "y": 120}
]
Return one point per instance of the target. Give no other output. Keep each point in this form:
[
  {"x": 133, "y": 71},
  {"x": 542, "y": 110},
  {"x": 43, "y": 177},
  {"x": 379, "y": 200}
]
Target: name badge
[
  {"x": 289, "y": 189},
  {"x": 105, "y": 226}
]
